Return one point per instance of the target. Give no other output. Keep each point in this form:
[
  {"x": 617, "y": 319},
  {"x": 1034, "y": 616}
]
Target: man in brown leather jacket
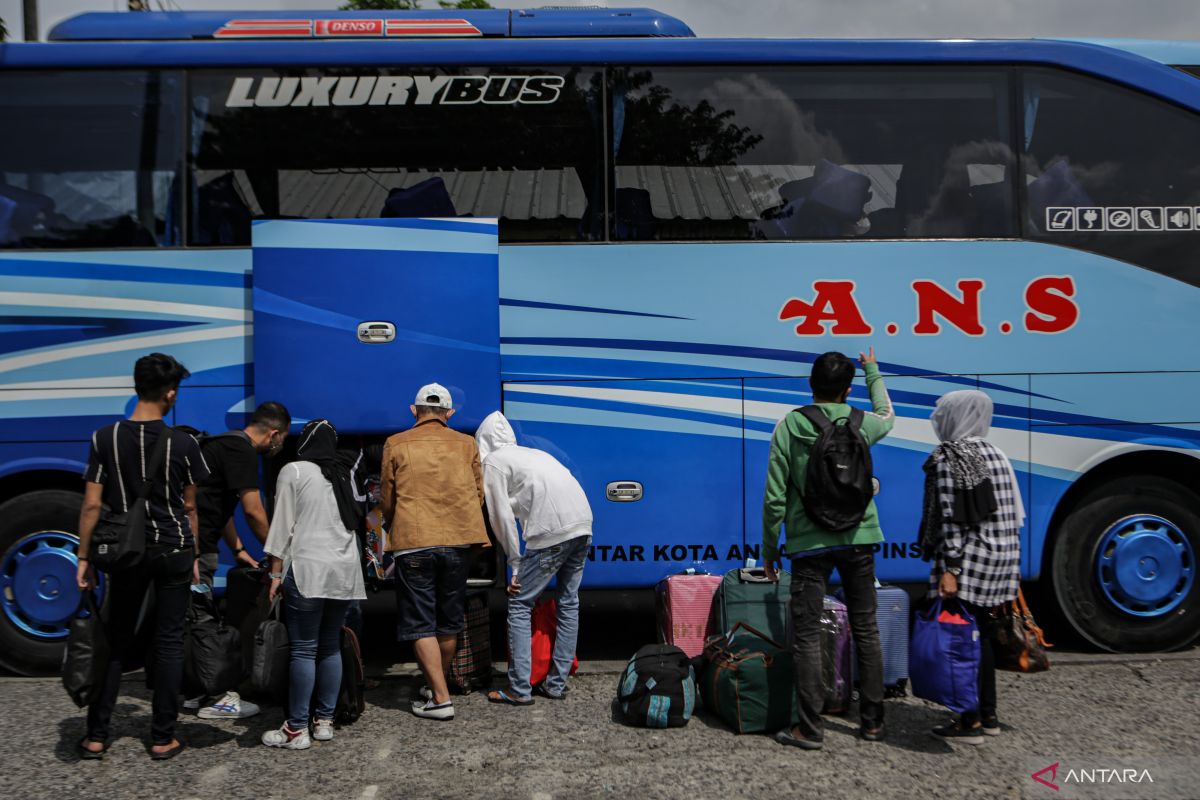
[{"x": 432, "y": 495}]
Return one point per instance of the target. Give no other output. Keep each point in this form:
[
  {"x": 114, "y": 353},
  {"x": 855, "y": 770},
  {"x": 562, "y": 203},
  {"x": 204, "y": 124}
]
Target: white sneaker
[
  {"x": 231, "y": 706},
  {"x": 429, "y": 710},
  {"x": 192, "y": 703},
  {"x": 425, "y": 692},
  {"x": 286, "y": 738},
  {"x": 323, "y": 730}
]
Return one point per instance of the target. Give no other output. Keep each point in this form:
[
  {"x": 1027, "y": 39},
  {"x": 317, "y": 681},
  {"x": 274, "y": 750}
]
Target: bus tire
[
  {"x": 1124, "y": 566},
  {"x": 38, "y": 598}
]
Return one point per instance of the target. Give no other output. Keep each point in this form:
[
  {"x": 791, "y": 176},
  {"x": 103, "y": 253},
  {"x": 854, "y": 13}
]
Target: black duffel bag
[
  {"x": 657, "y": 688},
  {"x": 85, "y": 661},
  {"x": 213, "y": 650},
  {"x": 119, "y": 539}
]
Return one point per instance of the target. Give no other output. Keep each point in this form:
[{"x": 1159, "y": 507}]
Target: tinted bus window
[
  {"x": 521, "y": 144},
  {"x": 811, "y": 153},
  {"x": 89, "y": 159},
  {"x": 1111, "y": 171}
]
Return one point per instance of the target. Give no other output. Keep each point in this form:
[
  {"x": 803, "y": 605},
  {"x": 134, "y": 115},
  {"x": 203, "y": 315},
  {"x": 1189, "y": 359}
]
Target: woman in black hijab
[{"x": 315, "y": 561}]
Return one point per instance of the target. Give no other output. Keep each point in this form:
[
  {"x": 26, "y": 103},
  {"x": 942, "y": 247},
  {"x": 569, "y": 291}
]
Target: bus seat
[
  {"x": 222, "y": 217},
  {"x": 20, "y": 211},
  {"x": 795, "y": 190},
  {"x": 992, "y": 207},
  {"x": 634, "y": 214},
  {"x": 429, "y": 198},
  {"x": 1056, "y": 186},
  {"x": 842, "y": 192}
]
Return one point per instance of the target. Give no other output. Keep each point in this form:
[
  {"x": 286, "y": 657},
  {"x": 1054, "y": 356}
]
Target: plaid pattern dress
[{"x": 991, "y": 550}]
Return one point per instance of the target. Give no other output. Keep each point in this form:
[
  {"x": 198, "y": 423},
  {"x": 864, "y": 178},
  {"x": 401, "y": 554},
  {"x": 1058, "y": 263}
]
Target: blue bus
[{"x": 632, "y": 240}]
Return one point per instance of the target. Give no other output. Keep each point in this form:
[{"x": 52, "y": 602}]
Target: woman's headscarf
[
  {"x": 318, "y": 444},
  {"x": 961, "y": 415}
]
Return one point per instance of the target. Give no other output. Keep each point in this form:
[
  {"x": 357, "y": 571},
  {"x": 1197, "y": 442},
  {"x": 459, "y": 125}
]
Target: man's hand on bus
[
  {"x": 772, "y": 567},
  {"x": 867, "y": 357}
]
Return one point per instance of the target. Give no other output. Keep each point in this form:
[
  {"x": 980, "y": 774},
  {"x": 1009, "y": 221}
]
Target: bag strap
[
  {"x": 817, "y": 417},
  {"x": 157, "y": 457},
  {"x": 855, "y": 420},
  {"x": 752, "y": 630},
  {"x": 1027, "y": 617}
]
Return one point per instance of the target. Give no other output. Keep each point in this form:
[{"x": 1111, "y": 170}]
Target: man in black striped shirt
[{"x": 116, "y": 469}]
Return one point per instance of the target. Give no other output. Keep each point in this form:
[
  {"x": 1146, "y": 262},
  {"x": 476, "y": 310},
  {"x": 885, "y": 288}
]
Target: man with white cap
[{"x": 432, "y": 496}]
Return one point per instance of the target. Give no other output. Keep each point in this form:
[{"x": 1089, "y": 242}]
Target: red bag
[{"x": 544, "y": 624}]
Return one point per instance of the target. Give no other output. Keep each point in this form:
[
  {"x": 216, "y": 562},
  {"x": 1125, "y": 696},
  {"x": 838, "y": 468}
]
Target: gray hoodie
[{"x": 522, "y": 483}]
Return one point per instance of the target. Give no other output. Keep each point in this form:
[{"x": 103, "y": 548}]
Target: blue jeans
[
  {"x": 538, "y": 567},
  {"x": 314, "y": 626}
]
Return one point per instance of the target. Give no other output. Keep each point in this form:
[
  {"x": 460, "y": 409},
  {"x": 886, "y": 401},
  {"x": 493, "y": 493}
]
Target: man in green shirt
[{"x": 815, "y": 551}]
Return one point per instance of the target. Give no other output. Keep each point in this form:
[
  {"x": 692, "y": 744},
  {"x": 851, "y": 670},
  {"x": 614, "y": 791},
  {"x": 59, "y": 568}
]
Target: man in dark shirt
[
  {"x": 116, "y": 470},
  {"x": 232, "y": 460}
]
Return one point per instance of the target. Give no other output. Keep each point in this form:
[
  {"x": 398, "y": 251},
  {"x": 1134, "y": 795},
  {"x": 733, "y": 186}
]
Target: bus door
[
  {"x": 660, "y": 461},
  {"x": 352, "y": 316}
]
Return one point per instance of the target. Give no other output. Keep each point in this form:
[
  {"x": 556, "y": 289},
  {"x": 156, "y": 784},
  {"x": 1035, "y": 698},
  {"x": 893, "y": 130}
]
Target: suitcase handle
[{"x": 753, "y": 575}]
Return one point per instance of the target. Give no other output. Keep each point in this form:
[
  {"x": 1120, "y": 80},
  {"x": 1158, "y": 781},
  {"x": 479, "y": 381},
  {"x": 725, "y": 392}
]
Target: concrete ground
[{"x": 1089, "y": 713}]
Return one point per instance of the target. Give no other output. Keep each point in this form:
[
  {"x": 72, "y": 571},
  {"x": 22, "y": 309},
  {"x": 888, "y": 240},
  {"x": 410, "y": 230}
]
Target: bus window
[
  {"x": 89, "y": 159},
  {"x": 1111, "y": 171},
  {"x": 810, "y": 153},
  {"x": 521, "y": 144}
]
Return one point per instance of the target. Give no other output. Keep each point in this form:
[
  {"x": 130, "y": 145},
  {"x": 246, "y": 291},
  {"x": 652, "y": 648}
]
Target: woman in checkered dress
[{"x": 971, "y": 530}]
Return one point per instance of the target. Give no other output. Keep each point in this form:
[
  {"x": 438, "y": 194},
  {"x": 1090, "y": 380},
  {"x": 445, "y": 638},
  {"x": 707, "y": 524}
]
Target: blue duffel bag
[{"x": 944, "y": 658}]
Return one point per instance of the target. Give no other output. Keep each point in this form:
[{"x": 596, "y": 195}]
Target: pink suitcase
[{"x": 683, "y": 603}]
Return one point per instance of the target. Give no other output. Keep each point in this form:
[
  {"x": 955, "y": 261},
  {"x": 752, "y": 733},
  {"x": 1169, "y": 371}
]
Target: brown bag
[{"x": 1020, "y": 645}]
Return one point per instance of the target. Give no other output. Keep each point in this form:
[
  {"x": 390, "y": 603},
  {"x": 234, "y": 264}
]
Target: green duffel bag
[
  {"x": 745, "y": 595},
  {"x": 748, "y": 681}
]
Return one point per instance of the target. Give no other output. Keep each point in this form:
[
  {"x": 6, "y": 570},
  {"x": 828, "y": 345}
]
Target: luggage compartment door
[{"x": 351, "y": 317}]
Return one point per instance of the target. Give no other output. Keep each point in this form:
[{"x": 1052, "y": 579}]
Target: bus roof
[
  {"x": 293, "y": 25},
  {"x": 1175, "y": 53}
]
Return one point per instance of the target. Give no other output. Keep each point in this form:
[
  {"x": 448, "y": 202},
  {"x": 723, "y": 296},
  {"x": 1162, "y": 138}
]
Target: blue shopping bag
[{"x": 943, "y": 662}]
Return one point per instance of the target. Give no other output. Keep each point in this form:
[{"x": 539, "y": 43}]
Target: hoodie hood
[{"x": 494, "y": 432}]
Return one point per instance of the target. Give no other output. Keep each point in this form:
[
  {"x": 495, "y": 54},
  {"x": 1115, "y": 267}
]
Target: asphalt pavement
[{"x": 1088, "y": 715}]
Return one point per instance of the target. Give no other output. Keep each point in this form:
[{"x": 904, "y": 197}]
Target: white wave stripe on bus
[
  {"x": 93, "y": 302},
  {"x": 154, "y": 340},
  {"x": 17, "y": 395},
  {"x": 107, "y": 382},
  {"x": 1058, "y": 453}
]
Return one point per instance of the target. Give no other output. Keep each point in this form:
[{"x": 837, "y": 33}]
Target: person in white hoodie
[{"x": 530, "y": 485}]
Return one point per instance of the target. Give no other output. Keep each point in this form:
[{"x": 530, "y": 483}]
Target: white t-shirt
[{"x": 308, "y": 534}]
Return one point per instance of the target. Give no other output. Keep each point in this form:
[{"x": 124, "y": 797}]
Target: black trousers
[
  {"x": 987, "y": 664},
  {"x": 810, "y": 576},
  {"x": 169, "y": 571}
]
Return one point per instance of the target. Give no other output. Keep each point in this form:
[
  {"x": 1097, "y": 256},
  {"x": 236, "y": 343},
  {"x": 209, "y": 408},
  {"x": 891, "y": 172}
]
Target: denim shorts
[{"x": 431, "y": 592}]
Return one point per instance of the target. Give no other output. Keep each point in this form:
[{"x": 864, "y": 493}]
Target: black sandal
[
  {"x": 166, "y": 755},
  {"x": 90, "y": 755},
  {"x": 542, "y": 691}
]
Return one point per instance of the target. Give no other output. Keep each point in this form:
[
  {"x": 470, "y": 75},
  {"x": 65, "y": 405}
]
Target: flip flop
[
  {"x": 502, "y": 697},
  {"x": 166, "y": 755},
  {"x": 90, "y": 755}
]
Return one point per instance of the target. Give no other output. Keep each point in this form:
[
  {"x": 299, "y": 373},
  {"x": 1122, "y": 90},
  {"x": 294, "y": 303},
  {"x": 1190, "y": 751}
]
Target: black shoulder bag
[{"x": 119, "y": 540}]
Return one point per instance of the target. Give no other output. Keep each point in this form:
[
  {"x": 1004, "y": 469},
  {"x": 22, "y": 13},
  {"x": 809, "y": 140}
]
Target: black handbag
[
  {"x": 85, "y": 661},
  {"x": 272, "y": 651},
  {"x": 119, "y": 539},
  {"x": 213, "y": 660}
]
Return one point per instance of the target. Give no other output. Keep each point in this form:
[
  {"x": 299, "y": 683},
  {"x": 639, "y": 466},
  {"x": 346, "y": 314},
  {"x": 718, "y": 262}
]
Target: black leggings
[{"x": 987, "y": 664}]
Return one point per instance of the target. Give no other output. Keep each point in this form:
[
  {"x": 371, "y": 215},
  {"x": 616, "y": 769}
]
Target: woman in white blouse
[{"x": 315, "y": 559}]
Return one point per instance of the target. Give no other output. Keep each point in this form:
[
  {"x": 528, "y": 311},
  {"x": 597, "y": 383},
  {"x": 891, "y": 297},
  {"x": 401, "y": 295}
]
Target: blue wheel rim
[
  {"x": 1145, "y": 565},
  {"x": 37, "y": 584}
]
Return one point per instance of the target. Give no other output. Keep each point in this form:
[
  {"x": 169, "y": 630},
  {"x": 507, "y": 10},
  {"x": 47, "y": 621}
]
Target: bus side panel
[{"x": 681, "y": 442}]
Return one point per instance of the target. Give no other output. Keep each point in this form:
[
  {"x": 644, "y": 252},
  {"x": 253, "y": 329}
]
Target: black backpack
[
  {"x": 838, "y": 484},
  {"x": 657, "y": 688}
]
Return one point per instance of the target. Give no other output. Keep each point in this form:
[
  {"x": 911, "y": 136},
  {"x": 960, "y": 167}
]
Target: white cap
[{"x": 434, "y": 390}]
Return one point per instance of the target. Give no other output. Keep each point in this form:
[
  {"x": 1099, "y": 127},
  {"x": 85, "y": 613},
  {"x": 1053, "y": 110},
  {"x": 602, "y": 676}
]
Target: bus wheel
[
  {"x": 1124, "y": 566},
  {"x": 38, "y": 597}
]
